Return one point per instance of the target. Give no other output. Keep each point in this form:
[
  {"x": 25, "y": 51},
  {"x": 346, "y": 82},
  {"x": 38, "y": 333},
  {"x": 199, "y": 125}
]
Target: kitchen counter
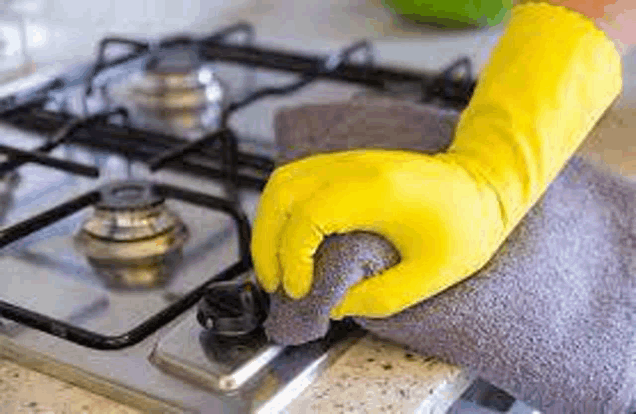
[
  {"x": 26, "y": 391},
  {"x": 376, "y": 376},
  {"x": 372, "y": 376}
]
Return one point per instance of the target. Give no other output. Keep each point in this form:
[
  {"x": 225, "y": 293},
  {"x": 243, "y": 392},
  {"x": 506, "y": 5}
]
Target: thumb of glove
[{"x": 391, "y": 291}]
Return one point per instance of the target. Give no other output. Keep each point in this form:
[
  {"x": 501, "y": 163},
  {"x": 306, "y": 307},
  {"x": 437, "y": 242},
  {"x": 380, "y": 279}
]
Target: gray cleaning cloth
[{"x": 550, "y": 319}]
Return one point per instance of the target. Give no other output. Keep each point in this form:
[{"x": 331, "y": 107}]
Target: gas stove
[{"x": 127, "y": 190}]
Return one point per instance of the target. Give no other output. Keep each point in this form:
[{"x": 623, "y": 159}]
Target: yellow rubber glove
[{"x": 548, "y": 81}]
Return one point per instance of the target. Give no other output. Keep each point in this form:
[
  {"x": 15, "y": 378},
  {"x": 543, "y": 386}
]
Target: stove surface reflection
[{"x": 264, "y": 376}]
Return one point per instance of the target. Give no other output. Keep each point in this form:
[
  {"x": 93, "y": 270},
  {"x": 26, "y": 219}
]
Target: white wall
[{"x": 68, "y": 30}]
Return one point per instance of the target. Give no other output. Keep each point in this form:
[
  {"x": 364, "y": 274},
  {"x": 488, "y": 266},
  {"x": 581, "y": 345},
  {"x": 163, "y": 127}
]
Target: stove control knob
[{"x": 233, "y": 308}]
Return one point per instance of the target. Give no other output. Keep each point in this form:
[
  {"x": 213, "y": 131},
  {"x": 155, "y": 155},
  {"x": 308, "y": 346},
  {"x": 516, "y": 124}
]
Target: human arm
[{"x": 548, "y": 81}]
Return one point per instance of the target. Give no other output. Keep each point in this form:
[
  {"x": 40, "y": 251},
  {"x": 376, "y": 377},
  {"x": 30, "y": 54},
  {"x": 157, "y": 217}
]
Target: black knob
[{"x": 233, "y": 308}]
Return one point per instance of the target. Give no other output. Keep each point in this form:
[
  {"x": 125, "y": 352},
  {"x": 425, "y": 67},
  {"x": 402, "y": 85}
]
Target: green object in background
[{"x": 452, "y": 13}]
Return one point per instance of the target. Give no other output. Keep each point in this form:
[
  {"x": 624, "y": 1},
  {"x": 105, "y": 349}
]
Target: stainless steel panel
[{"x": 265, "y": 375}]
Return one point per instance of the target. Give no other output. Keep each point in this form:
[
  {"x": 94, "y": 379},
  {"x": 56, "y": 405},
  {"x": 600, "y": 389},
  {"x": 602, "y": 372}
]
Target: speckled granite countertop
[
  {"x": 371, "y": 377},
  {"x": 26, "y": 391},
  {"x": 375, "y": 376}
]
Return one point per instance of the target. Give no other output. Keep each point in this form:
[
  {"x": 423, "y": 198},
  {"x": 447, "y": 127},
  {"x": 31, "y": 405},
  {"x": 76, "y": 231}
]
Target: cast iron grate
[
  {"x": 18, "y": 157},
  {"x": 94, "y": 340},
  {"x": 206, "y": 156}
]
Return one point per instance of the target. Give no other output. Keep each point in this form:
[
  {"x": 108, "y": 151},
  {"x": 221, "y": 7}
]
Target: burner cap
[
  {"x": 131, "y": 211},
  {"x": 128, "y": 195}
]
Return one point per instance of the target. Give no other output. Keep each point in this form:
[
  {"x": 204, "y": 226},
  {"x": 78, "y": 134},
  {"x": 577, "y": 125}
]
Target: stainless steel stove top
[
  {"x": 263, "y": 376},
  {"x": 46, "y": 273},
  {"x": 178, "y": 368},
  {"x": 63, "y": 274}
]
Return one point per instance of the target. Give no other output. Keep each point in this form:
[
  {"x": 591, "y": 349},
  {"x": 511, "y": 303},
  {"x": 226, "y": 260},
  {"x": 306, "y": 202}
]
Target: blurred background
[
  {"x": 58, "y": 32},
  {"x": 62, "y": 30}
]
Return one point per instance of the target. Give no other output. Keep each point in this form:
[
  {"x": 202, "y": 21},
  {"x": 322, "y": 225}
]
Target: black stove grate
[
  {"x": 229, "y": 142},
  {"x": 202, "y": 158},
  {"x": 141, "y": 145},
  {"x": 18, "y": 157},
  {"x": 94, "y": 340}
]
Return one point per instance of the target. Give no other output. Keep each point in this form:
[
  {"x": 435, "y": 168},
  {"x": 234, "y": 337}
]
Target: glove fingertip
[
  {"x": 298, "y": 268},
  {"x": 337, "y": 313},
  {"x": 270, "y": 285},
  {"x": 370, "y": 298},
  {"x": 345, "y": 307},
  {"x": 265, "y": 271},
  {"x": 298, "y": 287}
]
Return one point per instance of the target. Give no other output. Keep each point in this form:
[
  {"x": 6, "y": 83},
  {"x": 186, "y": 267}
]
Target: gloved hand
[
  {"x": 549, "y": 80},
  {"x": 438, "y": 216}
]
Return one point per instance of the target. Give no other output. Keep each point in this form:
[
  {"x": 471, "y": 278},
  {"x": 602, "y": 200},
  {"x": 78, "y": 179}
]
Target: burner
[
  {"x": 132, "y": 239},
  {"x": 177, "y": 93}
]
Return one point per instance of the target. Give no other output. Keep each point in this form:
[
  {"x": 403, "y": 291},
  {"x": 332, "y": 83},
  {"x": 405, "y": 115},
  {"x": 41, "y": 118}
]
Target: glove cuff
[{"x": 549, "y": 80}]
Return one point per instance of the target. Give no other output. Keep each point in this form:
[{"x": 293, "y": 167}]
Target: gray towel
[
  {"x": 364, "y": 122},
  {"x": 550, "y": 319}
]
